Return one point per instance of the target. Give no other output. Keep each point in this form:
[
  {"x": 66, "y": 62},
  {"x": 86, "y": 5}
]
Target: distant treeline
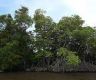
[{"x": 48, "y": 46}]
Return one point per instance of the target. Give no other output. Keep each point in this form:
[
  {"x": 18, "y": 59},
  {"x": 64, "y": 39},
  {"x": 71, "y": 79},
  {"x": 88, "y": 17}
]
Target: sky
[{"x": 55, "y": 8}]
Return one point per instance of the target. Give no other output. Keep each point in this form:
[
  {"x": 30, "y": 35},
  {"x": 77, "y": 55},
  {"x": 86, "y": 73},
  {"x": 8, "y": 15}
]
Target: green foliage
[
  {"x": 70, "y": 56},
  {"x": 9, "y": 55},
  {"x": 22, "y": 17},
  {"x": 44, "y": 53},
  {"x": 14, "y": 40},
  {"x": 83, "y": 34},
  {"x": 72, "y": 23},
  {"x": 62, "y": 52},
  {"x": 66, "y": 39},
  {"x": 72, "y": 59}
]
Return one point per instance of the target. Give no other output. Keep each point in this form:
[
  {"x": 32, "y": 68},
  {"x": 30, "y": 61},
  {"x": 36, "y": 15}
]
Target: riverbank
[
  {"x": 59, "y": 67},
  {"x": 82, "y": 67}
]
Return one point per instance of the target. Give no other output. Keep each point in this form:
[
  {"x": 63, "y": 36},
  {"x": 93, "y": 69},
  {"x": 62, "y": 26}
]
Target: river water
[{"x": 47, "y": 76}]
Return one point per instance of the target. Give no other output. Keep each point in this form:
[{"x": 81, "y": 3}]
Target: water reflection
[{"x": 47, "y": 76}]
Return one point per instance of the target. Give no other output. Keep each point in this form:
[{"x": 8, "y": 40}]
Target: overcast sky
[{"x": 55, "y": 8}]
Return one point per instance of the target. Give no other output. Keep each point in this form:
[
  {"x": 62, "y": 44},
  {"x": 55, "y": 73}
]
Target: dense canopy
[{"x": 50, "y": 45}]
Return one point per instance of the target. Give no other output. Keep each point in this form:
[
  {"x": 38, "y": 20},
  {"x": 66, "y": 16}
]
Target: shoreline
[{"x": 48, "y": 72}]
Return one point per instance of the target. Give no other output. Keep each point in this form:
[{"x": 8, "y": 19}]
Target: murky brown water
[{"x": 47, "y": 76}]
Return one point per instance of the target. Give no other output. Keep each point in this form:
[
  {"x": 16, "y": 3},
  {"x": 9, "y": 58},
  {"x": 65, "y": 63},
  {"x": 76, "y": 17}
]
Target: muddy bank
[
  {"x": 61, "y": 67},
  {"x": 57, "y": 65}
]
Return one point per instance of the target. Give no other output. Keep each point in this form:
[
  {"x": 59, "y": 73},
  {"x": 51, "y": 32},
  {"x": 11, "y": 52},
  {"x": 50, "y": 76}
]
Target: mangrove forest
[{"x": 38, "y": 43}]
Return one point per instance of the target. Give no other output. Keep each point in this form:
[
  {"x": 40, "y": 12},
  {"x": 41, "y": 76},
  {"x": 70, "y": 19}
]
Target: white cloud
[
  {"x": 51, "y": 6},
  {"x": 48, "y": 5},
  {"x": 58, "y": 8},
  {"x": 85, "y": 8}
]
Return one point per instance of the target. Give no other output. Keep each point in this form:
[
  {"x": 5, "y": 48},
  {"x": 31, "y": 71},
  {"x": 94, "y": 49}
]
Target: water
[{"x": 47, "y": 76}]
